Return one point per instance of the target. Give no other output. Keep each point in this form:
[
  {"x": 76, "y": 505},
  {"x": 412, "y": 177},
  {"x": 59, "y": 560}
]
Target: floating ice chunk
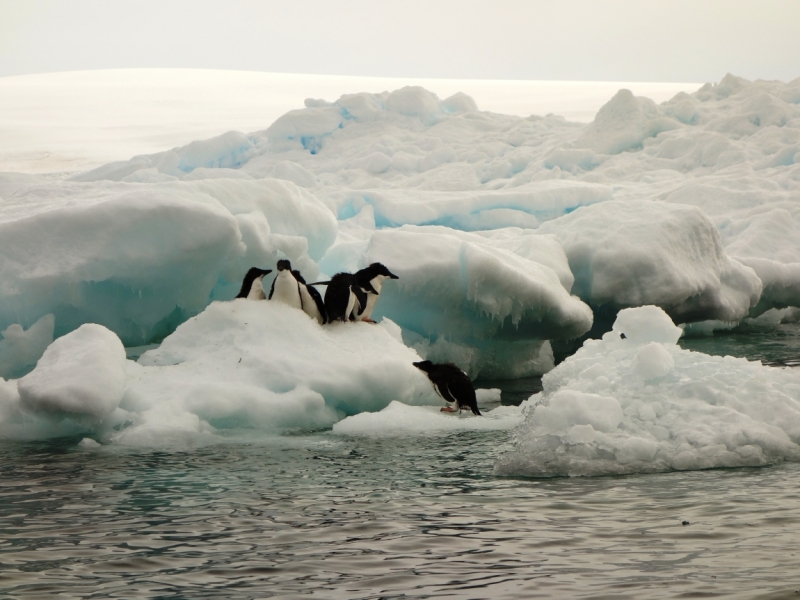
[
  {"x": 89, "y": 444},
  {"x": 399, "y": 419},
  {"x": 20, "y": 349},
  {"x": 265, "y": 365},
  {"x": 468, "y": 290},
  {"x": 81, "y": 375},
  {"x": 634, "y": 253},
  {"x": 625, "y": 406},
  {"x": 142, "y": 258}
]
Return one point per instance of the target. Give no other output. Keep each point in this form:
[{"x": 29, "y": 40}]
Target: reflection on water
[
  {"x": 773, "y": 346},
  {"x": 335, "y": 517},
  {"x": 382, "y": 518}
]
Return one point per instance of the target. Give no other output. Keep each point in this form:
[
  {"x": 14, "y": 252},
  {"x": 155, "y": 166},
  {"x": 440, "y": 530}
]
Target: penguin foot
[
  {"x": 447, "y": 409},
  {"x": 370, "y": 321}
]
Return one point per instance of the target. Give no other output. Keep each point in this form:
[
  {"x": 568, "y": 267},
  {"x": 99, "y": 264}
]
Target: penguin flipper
[
  {"x": 361, "y": 296},
  {"x": 317, "y": 298},
  {"x": 272, "y": 289}
]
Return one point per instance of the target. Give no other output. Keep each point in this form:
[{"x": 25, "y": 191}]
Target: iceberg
[
  {"x": 141, "y": 258},
  {"x": 635, "y": 402}
]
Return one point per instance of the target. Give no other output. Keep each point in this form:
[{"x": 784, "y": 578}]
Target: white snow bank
[
  {"x": 81, "y": 375},
  {"x": 268, "y": 366},
  {"x": 399, "y": 419},
  {"x": 486, "y": 302},
  {"x": 140, "y": 258},
  {"x": 634, "y": 253},
  {"x": 642, "y": 404}
]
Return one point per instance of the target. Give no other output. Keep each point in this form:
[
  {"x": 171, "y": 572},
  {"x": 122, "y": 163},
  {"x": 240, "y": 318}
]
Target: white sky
[{"x": 599, "y": 40}]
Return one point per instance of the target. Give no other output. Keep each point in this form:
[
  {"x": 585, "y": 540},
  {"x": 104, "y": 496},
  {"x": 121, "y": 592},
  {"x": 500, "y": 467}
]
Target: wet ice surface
[{"x": 367, "y": 518}]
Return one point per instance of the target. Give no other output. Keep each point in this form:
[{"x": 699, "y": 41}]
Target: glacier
[{"x": 508, "y": 233}]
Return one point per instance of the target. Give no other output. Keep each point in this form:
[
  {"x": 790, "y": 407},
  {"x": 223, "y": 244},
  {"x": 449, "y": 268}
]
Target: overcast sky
[{"x": 602, "y": 40}]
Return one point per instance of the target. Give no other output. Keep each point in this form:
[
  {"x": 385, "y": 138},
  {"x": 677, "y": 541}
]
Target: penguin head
[
  {"x": 256, "y": 273},
  {"x": 424, "y": 365},
  {"x": 284, "y": 265},
  {"x": 380, "y": 269}
]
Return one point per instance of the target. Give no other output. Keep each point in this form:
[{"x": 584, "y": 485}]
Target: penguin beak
[{"x": 393, "y": 276}]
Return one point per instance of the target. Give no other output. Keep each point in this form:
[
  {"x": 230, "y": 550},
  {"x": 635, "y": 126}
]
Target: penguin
[
  {"x": 344, "y": 298},
  {"x": 452, "y": 384},
  {"x": 312, "y": 300},
  {"x": 285, "y": 287},
  {"x": 253, "y": 286},
  {"x": 371, "y": 280}
]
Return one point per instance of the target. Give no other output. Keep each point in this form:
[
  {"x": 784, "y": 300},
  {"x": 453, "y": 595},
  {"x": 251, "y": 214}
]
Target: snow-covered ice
[
  {"x": 399, "y": 419},
  {"x": 506, "y": 231},
  {"x": 642, "y": 404}
]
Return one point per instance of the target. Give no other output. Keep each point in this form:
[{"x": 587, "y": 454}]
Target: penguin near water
[
  {"x": 285, "y": 288},
  {"x": 452, "y": 384},
  {"x": 313, "y": 305},
  {"x": 253, "y": 285},
  {"x": 344, "y": 298},
  {"x": 371, "y": 280}
]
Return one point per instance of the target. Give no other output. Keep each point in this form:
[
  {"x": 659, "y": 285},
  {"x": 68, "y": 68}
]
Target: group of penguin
[
  {"x": 349, "y": 297},
  {"x": 352, "y": 297}
]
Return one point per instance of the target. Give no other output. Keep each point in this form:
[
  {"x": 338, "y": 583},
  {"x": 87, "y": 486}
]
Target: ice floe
[{"x": 640, "y": 403}]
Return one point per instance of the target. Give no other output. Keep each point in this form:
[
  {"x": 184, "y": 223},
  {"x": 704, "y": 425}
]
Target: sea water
[{"x": 313, "y": 513}]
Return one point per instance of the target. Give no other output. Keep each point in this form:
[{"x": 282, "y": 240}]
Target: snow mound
[
  {"x": 632, "y": 405},
  {"x": 486, "y": 302},
  {"x": 265, "y": 365},
  {"x": 624, "y": 123},
  {"x": 635, "y": 253},
  {"x": 399, "y": 419},
  {"x": 81, "y": 375},
  {"x": 141, "y": 258}
]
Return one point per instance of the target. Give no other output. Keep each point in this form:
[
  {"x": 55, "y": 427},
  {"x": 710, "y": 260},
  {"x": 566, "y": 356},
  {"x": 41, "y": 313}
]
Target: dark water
[
  {"x": 772, "y": 346},
  {"x": 320, "y": 515}
]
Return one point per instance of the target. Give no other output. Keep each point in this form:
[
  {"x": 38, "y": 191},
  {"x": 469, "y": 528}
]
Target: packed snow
[
  {"x": 507, "y": 233},
  {"x": 399, "y": 419},
  {"x": 640, "y": 403}
]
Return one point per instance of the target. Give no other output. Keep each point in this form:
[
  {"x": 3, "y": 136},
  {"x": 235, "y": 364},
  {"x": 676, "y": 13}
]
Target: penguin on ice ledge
[{"x": 452, "y": 384}]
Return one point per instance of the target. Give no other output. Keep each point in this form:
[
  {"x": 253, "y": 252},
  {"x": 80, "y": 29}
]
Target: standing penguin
[
  {"x": 312, "y": 301},
  {"x": 371, "y": 280},
  {"x": 285, "y": 287},
  {"x": 452, "y": 384},
  {"x": 253, "y": 286},
  {"x": 344, "y": 298}
]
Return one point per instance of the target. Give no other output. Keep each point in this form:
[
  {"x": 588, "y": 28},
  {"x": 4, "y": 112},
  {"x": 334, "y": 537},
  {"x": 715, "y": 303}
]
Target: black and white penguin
[
  {"x": 344, "y": 298},
  {"x": 312, "y": 300},
  {"x": 253, "y": 285},
  {"x": 285, "y": 288},
  {"x": 452, "y": 384},
  {"x": 371, "y": 280}
]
